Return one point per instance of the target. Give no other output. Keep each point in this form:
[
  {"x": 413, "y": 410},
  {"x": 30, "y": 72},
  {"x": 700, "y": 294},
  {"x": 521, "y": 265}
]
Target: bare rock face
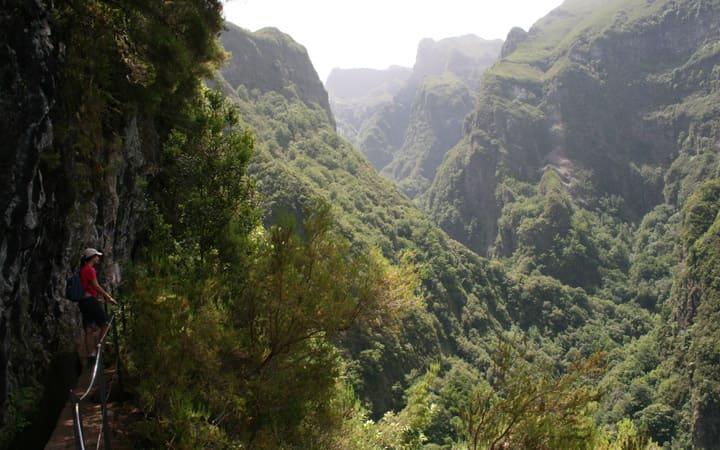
[
  {"x": 44, "y": 226},
  {"x": 270, "y": 60},
  {"x": 515, "y": 37},
  {"x": 615, "y": 102},
  {"x": 29, "y": 317}
]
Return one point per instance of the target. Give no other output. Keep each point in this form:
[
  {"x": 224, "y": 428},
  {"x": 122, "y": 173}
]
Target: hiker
[{"x": 93, "y": 314}]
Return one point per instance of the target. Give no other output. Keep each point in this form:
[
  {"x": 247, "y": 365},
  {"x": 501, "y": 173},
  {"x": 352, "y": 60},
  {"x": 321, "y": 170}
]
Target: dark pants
[{"x": 93, "y": 313}]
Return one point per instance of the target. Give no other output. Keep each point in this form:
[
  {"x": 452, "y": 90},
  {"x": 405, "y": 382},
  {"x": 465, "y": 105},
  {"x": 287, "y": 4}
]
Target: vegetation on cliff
[
  {"x": 284, "y": 295},
  {"x": 590, "y": 159}
]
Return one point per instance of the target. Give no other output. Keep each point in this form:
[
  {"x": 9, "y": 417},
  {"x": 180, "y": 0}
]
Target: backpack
[{"x": 73, "y": 289}]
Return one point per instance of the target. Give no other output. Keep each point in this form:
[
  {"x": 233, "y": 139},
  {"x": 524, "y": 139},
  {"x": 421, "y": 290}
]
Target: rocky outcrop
[
  {"x": 606, "y": 100},
  {"x": 515, "y": 37},
  {"x": 36, "y": 330},
  {"x": 46, "y": 223},
  {"x": 434, "y": 126},
  {"x": 270, "y": 60}
]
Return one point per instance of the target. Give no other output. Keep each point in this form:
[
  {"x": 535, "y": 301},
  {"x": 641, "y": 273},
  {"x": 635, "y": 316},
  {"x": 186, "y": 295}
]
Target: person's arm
[{"x": 102, "y": 291}]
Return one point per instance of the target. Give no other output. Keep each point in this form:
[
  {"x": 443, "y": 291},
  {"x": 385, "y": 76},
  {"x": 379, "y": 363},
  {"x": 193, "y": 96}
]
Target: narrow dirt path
[{"x": 63, "y": 437}]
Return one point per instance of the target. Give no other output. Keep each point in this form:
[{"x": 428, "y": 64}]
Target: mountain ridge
[
  {"x": 406, "y": 136},
  {"x": 542, "y": 87},
  {"x": 469, "y": 299},
  {"x": 588, "y": 172},
  {"x": 272, "y": 61}
]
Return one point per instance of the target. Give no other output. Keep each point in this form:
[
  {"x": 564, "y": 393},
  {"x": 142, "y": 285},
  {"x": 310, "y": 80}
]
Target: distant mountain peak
[
  {"x": 460, "y": 55},
  {"x": 270, "y": 60},
  {"x": 405, "y": 120}
]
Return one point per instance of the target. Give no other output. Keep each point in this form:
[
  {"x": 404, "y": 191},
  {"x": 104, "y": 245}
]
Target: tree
[
  {"x": 203, "y": 187},
  {"x": 525, "y": 405},
  {"x": 304, "y": 287},
  {"x": 250, "y": 342}
]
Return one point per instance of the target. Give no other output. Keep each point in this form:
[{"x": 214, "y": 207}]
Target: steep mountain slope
[
  {"x": 300, "y": 157},
  {"x": 115, "y": 129},
  {"x": 468, "y": 299},
  {"x": 604, "y": 93},
  {"x": 272, "y": 61},
  {"x": 83, "y": 117},
  {"x": 356, "y": 94},
  {"x": 27, "y": 91},
  {"x": 592, "y": 157},
  {"x": 408, "y": 135},
  {"x": 696, "y": 314}
]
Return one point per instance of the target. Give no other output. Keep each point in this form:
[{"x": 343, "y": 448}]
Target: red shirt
[{"x": 87, "y": 274}]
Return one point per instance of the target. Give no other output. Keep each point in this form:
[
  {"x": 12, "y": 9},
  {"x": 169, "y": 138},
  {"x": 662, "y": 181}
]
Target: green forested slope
[
  {"x": 299, "y": 158},
  {"x": 469, "y": 300},
  {"x": 283, "y": 294},
  {"x": 599, "y": 92},
  {"x": 588, "y": 140},
  {"x": 591, "y": 158}
]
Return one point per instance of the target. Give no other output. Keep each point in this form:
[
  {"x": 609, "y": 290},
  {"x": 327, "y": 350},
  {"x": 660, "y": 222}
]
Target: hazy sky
[{"x": 379, "y": 33}]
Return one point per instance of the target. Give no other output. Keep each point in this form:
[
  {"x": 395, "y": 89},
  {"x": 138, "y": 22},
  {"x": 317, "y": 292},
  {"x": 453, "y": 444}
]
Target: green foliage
[
  {"x": 203, "y": 189},
  {"x": 248, "y": 343},
  {"x": 301, "y": 158},
  {"x": 177, "y": 351},
  {"x": 524, "y": 404},
  {"x": 659, "y": 421},
  {"x": 701, "y": 236},
  {"x": 247, "y": 314},
  {"x": 178, "y": 322},
  {"x": 700, "y": 212},
  {"x": 128, "y": 58},
  {"x": 405, "y": 430},
  {"x": 298, "y": 293},
  {"x": 452, "y": 389},
  {"x": 626, "y": 437},
  {"x": 22, "y": 405},
  {"x": 545, "y": 303},
  {"x": 547, "y": 233},
  {"x": 272, "y": 325},
  {"x": 401, "y": 430}
]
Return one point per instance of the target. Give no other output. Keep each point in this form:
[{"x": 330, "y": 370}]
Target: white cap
[{"x": 90, "y": 252}]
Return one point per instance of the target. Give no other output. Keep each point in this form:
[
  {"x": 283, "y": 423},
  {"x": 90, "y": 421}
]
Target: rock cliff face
[
  {"x": 696, "y": 309},
  {"x": 594, "y": 93},
  {"x": 515, "y": 37},
  {"x": 45, "y": 225},
  {"x": 269, "y": 60},
  {"x": 619, "y": 103}
]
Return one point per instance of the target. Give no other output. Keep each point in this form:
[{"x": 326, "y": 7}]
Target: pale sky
[{"x": 379, "y": 33}]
